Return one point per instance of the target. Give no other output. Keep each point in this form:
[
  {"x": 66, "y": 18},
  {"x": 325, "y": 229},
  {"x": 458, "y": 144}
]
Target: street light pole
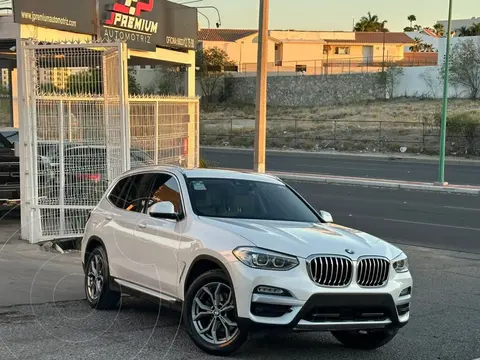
[
  {"x": 261, "y": 101},
  {"x": 443, "y": 126}
]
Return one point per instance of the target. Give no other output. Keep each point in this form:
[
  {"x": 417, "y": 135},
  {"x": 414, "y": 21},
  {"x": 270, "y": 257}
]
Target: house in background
[
  {"x": 240, "y": 45},
  {"x": 309, "y": 52}
]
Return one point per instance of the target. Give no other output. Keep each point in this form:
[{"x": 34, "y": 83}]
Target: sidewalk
[{"x": 30, "y": 275}]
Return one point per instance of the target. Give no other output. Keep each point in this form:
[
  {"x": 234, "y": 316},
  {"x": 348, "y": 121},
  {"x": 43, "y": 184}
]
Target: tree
[
  {"x": 4, "y": 90},
  {"x": 91, "y": 82},
  {"x": 474, "y": 30},
  {"x": 420, "y": 46},
  {"x": 390, "y": 78},
  {"x": 417, "y": 46},
  {"x": 370, "y": 23},
  {"x": 412, "y": 19},
  {"x": 464, "y": 31},
  {"x": 408, "y": 29},
  {"x": 464, "y": 66},
  {"x": 439, "y": 29},
  {"x": 134, "y": 87},
  {"x": 211, "y": 64}
]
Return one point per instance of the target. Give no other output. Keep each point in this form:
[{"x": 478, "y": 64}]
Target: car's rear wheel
[
  {"x": 365, "y": 339},
  {"x": 97, "y": 281},
  {"x": 210, "y": 314}
]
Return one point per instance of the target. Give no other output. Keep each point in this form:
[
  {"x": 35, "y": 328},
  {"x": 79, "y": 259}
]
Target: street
[
  {"x": 344, "y": 165},
  {"x": 445, "y": 311}
]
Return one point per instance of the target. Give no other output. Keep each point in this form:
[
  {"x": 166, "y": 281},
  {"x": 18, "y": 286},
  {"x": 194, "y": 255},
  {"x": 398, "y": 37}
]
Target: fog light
[
  {"x": 270, "y": 290},
  {"x": 406, "y": 291}
]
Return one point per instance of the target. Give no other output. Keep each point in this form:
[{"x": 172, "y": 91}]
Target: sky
[{"x": 332, "y": 14}]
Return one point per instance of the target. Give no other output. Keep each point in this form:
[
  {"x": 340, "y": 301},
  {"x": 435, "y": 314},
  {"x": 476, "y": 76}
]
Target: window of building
[{"x": 342, "y": 51}]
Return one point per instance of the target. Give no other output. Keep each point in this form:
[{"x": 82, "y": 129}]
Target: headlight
[
  {"x": 400, "y": 263},
  {"x": 264, "y": 259}
]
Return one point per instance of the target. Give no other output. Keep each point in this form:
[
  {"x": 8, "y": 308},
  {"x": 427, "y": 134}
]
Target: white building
[{"x": 457, "y": 24}]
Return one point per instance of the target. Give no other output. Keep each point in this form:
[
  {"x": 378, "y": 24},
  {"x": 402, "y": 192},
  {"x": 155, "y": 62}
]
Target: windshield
[{"x": 246, "y": 199}]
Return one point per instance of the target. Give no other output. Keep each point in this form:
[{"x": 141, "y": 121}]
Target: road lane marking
[
  {"x": 461, "y": 208},
  {"x": 432, "y": 224}
]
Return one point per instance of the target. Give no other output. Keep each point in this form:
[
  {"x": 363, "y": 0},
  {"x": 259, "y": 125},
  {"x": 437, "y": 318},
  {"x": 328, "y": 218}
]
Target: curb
[
  {"x": 339, "y": 154},
  {"x": 381, "y": 183},
  {"x": 377, "y": 183}
]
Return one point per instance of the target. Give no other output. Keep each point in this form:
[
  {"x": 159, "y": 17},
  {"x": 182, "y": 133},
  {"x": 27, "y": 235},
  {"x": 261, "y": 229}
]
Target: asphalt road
[
  {"x": 445, "y": 313},
  {"x": 428, "y": 219},
  {"x": 341, "y": 165}
]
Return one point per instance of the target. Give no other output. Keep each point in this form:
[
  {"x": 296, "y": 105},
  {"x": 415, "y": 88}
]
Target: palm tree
[
  {"x": 463, "y": 31},
  {"x": 427, "y": 48},
  {"x": 474, "y": 30},
  {"x": 417, "y": 27},
  {"x": 370, "y": 23},
  {"x": 439, "y": 29},
  {"x": 417, "y": 46},
  {"x": 411, "y": 18}
]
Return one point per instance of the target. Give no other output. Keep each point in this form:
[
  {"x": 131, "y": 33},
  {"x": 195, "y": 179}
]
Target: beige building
[
  {"x": 58, "y": 77},
  {"x": 310, "y": 52}
]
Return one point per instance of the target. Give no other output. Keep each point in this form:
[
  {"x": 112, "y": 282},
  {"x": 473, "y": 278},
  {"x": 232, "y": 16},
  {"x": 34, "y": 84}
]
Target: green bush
[{"x": 466, "y": 124}]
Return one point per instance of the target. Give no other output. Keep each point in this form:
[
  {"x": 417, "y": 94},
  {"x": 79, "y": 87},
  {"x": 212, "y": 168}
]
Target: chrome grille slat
[
  {"x": 331, "y": 271},
  {"x": 372, "y": 272}
]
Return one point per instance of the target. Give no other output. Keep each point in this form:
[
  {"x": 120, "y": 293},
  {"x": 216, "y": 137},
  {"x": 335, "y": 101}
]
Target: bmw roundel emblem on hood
[{"x": 351, "y": 252}]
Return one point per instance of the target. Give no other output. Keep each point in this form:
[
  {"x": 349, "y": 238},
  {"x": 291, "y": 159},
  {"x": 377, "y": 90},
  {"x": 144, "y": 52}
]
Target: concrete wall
[{"x": 309, "y": 90}]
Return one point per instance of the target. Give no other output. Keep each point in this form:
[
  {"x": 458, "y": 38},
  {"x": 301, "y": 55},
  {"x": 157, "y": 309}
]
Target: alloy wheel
[
  {"x": 95, "y": 277},
  {"x": 213, "y": 313}
]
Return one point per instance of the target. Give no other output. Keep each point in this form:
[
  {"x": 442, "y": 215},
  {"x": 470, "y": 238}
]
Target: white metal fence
[{"x": 83, "y": 130}]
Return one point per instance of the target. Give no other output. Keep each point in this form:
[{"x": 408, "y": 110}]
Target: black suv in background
[{"x": 9, "y": 169}]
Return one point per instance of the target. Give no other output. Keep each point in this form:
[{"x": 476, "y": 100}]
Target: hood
[{"x": 305, "y": 239}]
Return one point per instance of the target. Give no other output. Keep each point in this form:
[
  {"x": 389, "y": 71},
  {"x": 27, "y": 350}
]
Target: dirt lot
[{"x": 373, "y": 126}]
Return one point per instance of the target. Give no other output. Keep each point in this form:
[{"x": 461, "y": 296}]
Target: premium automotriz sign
[{"x": 144, "y": 24}]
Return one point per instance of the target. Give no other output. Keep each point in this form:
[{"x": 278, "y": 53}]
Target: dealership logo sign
[{"x": 125, "y": 21}]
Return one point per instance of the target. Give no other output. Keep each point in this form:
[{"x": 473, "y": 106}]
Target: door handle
[
  {"x": 142, "y": 225},
  {"x": 108, "y": 217}
]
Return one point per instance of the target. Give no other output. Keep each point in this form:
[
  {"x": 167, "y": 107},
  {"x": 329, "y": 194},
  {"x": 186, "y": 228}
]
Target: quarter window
[{"x": 117, "y": 195}]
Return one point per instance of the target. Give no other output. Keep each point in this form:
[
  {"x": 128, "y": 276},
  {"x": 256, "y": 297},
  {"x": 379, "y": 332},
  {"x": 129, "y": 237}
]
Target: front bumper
[{"x": 306, "y": 306}]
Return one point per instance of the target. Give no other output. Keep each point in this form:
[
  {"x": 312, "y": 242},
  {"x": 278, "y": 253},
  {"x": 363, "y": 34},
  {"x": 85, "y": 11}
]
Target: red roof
[
  {"x": 376, "y": 38},
  {"x": 229, "y": 35}
]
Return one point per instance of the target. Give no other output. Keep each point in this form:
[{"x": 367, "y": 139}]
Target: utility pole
[
  {"x": 261, "y": 102},
  {"x": 443, "y": 126}
]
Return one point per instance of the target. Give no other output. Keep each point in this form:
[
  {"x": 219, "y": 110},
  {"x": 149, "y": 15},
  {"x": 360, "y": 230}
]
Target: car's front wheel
[
  {"x": 210, "y": 314},
  {"x": 365, "y": 339}
]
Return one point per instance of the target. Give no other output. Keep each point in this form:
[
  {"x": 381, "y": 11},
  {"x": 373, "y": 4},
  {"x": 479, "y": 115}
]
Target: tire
[
  {"x": 367, "y": 340},
  {"x": 101, "y": 298},
  {"x": 227, "y": 342}
]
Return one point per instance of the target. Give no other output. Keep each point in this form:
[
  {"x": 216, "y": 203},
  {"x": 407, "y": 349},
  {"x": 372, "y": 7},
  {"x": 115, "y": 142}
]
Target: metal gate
[{"x": 76, "y": 135}]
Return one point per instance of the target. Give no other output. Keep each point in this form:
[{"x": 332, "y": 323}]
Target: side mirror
[
  {"x": 163, "y": 210},
  {"x": 326, "y": 216}
]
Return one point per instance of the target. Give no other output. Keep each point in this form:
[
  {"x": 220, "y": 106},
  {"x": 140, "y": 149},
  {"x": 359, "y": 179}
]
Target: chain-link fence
[
  {"x": 342, "y": 135},
  {"x": 84, "y": 130}
]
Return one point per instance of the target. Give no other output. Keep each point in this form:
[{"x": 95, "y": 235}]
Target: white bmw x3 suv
[{"x": 241, "y": 252}]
